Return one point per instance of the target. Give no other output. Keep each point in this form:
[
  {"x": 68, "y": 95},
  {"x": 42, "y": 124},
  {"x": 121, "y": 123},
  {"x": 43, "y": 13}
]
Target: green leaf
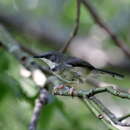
[{"x": 4, "y": 61}]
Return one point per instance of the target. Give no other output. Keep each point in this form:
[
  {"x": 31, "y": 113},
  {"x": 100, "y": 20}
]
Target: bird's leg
[
  {"x": 71, "y": 91},
  {"x": 64, "y": 88},
  {"x": 59, "y": 87}
]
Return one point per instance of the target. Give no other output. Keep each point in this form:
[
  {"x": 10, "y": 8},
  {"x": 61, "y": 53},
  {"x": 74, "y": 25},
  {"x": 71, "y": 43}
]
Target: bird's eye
[{"x": 53, "y": 58}]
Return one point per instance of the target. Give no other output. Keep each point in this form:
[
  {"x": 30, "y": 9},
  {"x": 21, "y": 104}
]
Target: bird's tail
[{"x": 113, "y": 74}]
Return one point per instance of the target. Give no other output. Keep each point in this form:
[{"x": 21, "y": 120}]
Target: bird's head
[{"x": 51, "y": 58}]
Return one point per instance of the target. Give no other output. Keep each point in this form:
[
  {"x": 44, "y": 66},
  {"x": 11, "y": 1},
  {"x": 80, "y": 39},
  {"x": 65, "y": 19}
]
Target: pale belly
[{"x": 73, "y": 76}]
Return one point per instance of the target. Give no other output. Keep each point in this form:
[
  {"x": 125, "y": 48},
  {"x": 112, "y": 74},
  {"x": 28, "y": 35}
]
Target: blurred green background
[{"x": 45, "y": 25}]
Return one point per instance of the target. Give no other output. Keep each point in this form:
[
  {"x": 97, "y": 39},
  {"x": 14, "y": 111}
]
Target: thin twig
[
  {"x": 124, "y": 117},
  {"x": 76, "y": 28},
  {"x": 113, "y": 118},
  {"x": 92, "y": 92},
  {"x": 98, "y": 20},
  {"x": 40, "y": 102},
  {"x": 98, "y": 113}
]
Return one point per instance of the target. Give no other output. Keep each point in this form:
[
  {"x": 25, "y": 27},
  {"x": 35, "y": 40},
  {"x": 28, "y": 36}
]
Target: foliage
[{"x": 64, "y": 112}]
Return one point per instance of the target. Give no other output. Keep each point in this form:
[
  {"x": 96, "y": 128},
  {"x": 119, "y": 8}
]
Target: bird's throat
[{"x": 49, "y": 63}]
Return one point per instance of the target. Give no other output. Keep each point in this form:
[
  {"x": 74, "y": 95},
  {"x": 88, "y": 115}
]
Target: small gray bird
[{"x": 71, "y": 70}]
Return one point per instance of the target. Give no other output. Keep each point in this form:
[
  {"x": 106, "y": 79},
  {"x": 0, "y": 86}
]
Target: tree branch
[
  {"x": 124, "y": 117},
  {"x": 76, "y": 28},
  {"x": 98, "y": 20},
  {"x": 98, "y": 113},
  {"x": 92, "y": 92},
  {"x": 24, "y": 55},
  {"x": 90, "y": 96},
  {"x": 13, "y": 47},
  {"x": 113, "y": 118},
  {"x": 40, "y": 102}
]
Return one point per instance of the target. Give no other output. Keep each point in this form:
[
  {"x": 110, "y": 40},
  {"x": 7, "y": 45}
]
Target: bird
[{"x": 71, "y": 70}]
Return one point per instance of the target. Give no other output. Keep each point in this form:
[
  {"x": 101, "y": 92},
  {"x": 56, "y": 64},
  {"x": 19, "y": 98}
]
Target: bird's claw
[
  {"x": 71, "y": 91},
  {"x": 58, "y": 87}
]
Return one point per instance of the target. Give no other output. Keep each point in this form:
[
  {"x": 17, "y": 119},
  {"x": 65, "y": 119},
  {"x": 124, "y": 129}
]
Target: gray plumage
[{"x": 63, "y": 61}]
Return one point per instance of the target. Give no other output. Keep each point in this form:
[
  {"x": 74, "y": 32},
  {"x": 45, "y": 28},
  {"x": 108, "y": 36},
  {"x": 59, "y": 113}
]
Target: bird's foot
[
  {"x": 64, "y": 88},
  {"x": 71, "y": 91},
  {"x": 58, "y": 87}
]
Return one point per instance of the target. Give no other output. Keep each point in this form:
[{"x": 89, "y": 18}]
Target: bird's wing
[{"x": 76, "y": 62}]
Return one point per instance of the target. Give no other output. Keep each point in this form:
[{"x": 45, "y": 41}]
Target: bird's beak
[
  {"x": 37, "y": 56},
  {"x": 45, "y": 55},
  {"x": 40, "y": 56}
]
